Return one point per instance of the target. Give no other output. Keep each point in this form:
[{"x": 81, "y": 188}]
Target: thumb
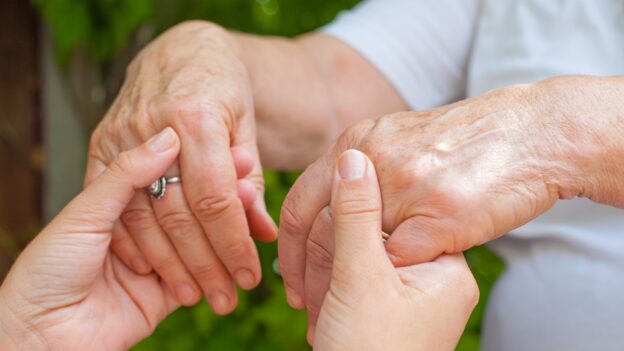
[
  {"x": 356, "y": 211},
  {"x": 101, "y": 203}
]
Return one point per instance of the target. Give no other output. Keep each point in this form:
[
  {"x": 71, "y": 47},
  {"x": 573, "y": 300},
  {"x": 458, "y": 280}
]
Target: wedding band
[{"x": 157, "y": 189}]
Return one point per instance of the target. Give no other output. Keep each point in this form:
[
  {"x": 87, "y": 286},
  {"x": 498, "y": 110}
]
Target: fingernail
[
  {"x": 245, "y": 279},
  {"x": 352, "y": 165},
  {"x": 293, "y": 299},
  {"x": 220, "y": 303},
  {"x": 162, "y": 141},
  {"x": 141, "y": 266},
  {"x": 186, "y": 294}
]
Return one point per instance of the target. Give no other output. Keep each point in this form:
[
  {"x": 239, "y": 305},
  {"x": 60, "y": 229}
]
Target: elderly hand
[
  {"x": 67, "y": 291},
  {"x": 461, "y": 175},
  {"x": 370, "y": 304},
  {"x": 198, "y": 234}
]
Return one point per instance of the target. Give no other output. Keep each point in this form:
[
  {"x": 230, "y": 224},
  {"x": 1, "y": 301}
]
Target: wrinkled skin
[
  {"x": 460, "y": 175},
  {"x": 370, "y": 304},
  {"x": 67, "y": 290},
  {"x": 197, "y": 238}
]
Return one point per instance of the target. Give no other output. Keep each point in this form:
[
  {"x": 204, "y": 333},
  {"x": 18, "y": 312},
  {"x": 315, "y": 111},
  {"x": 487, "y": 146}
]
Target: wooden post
[{"x": 20, "y": 132}]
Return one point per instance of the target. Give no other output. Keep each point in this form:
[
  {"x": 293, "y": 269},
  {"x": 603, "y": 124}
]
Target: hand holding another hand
[
  {"x": 459, "y": 175},
  {"x": 370, "y": 304},
  {"x": 67, "y": 290}
]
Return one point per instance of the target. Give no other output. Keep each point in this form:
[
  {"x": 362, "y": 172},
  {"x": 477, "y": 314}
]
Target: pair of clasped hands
[
  {"x": 69, "y": 291},
  {"x": 115, "y": 262}
]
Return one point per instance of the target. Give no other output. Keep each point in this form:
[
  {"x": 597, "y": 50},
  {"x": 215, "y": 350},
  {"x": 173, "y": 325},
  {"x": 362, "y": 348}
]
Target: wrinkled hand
[
  {"x": 370, "y": 304},
  {"x": 450, "y": 178},
  {"x": 198, "y": 235},
  {"x": 67, "y": 290}
]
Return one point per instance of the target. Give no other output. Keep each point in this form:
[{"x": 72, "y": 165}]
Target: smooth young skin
[
  {"x": 232, "y": 98},
  {"x": 463, "y": 174},
  {"x": 67, "y": 290},
  {"x": 370, "y": 304}
]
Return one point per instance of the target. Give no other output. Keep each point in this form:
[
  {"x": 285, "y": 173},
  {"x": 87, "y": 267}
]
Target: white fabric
[
  {"x": 563, "y": 288},
  {"x": 392, "y": 33}
]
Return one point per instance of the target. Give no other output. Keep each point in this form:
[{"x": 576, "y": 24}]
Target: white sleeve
[{"x": 422, "y": 47}]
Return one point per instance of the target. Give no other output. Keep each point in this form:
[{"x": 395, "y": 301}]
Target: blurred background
[{"x": 61, "y": 64}]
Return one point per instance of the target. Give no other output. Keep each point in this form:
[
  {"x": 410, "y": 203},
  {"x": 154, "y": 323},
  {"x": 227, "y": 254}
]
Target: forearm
[
  {"x": 590, "y": 116},
  {"x": 307, "y": 91}
]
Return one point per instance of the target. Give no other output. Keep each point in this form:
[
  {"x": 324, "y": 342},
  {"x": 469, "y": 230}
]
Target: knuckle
[
  {"x": 205, "y": 272},
  {"x": 212, "y": 206},
  {"x": 191, "y": 111},
  {"x": 360, "y": 206},
  {"x": 139, "y": 124},
  {"x": 165, "y": 263},
  {"x": 120, "y": 241},
  {"x": 353, "y": 135},
  {"x": 178, "y": 224},
  {"x": 462, "y": 284},
  {"x": 236, "y": 249},
  {"x": 468, "y": 289},
  {"x": 318, "y": 256},
  {"x": 291, "y": 222},
  {"x": 137, "y": 219}
]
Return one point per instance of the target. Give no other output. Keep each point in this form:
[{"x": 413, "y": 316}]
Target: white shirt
[{"x": 563, "y": 288}]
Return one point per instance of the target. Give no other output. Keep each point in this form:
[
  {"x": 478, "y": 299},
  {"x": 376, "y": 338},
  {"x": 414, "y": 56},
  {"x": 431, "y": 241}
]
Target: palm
[{"x": 114, "y": 311}]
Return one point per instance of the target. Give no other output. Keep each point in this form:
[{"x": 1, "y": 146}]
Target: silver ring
[{"x": 157, "y": 188}]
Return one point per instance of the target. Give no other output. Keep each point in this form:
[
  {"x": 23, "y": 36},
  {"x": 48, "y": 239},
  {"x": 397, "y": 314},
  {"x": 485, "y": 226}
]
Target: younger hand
[
  {"x": 371, "y": 305},
  {"x": 67, "y": 291}
]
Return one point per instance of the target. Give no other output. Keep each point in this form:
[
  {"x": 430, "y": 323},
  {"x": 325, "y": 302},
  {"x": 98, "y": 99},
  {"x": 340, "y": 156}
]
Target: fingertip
[
  {"x": 261, "y": 225},
  {"x": 165, "y": 141},
  {"x": 221, "y": 304},
  {"x": 352, "y": 165},
  {"x": 245, "y": 279},
  {"x": 243, "y": 161},
  {"x": 310, "y": 334},
  {"x": 186, "y": 294},
  {"x": 293, "y": 298}
]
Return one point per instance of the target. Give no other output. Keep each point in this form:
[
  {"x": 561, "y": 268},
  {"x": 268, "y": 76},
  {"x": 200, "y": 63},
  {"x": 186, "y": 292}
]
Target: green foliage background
[{"x": 262, "y": 320}]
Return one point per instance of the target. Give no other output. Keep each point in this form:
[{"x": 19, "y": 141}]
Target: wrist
[
  {"x": 15, "y": 334},
  {"x": 582, "y": 116}
]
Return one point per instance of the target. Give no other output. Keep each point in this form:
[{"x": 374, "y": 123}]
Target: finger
[
  {"x": 211, "y": 189},
  {"x": 307, "y": 197},
  {"x": 243, "y": 161},
  {"x": 141, "y": 221},
  {"x": 420, "y": 239},
  {"x": 155, "y": 307},
  {"x": 127, "y": 250},
  {"x": 428, "y": 275},
  {"x": 260, "y": 223},
  {"x": 121, "y": 243},
  {"x": 107, "y": 196},
  {"x": 192, "y": 245},
  {"x": 319, "y": 261},
  {"x": 356, "y": 212},
  {"x": 246, "y": 193}
]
